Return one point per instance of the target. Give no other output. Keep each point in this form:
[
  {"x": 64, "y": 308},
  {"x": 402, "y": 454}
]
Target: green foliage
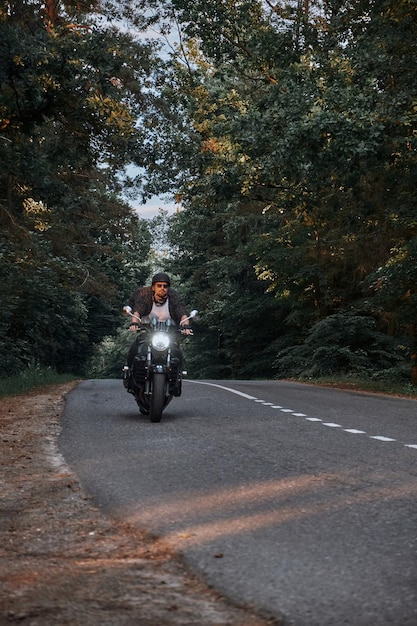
[
  {"x": 301, "y": 125},
  {"x": 237, "y": 318},
  {"x": 72, "y": 90},
  {"x": 397, "y": 386},
  {"x": 109, "y": 356},
  {"x": 343, "y": 344},
  {"x": 393, "y": 290},
  {"x": 288, "y": 133},
  {"x": 29, "y": 379}
]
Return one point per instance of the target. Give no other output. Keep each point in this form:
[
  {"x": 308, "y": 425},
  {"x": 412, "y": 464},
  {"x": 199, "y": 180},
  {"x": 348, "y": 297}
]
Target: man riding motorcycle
[
  {"x": 160, "y": 303},
  {"x": 158, "y": 300}
]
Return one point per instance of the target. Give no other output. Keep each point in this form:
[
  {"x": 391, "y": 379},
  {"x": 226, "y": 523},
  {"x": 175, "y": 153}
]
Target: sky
[{"x": 151, "y": 208}]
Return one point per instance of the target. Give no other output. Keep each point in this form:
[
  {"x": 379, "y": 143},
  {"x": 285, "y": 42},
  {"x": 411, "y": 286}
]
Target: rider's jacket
[{"x": 142, "y": 301}]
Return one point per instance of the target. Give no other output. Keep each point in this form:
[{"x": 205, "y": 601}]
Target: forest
[{"x": 286, "y": 133}]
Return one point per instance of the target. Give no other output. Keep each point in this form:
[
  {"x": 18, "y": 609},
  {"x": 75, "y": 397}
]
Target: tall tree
[
  {"x": 72, "y": 92},
  {"x": 302, "y": 115}
]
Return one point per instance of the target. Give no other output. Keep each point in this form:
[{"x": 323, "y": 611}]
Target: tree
[
  {"x": 237, "y": 318},
  {"x": 72, "y": 91},
  {"x": 301, "y": 116}
]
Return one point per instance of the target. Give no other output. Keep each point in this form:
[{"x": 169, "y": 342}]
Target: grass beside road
[
  {"x": 32, "y": 378},
  {"x": 371, "y": 386}
]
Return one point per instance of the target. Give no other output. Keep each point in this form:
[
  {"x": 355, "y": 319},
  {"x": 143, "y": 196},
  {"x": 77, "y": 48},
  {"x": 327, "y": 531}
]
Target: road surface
[{"x": 299, "y": 500}]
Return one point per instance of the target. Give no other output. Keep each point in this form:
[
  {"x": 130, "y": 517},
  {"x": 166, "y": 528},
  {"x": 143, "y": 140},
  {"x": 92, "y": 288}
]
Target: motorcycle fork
[
  {"x": 157, "y": 368},
  {"x": 148, "y": 371}
]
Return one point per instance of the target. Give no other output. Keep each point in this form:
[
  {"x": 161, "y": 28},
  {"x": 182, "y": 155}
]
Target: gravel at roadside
[{"x": 62, "y": 562}]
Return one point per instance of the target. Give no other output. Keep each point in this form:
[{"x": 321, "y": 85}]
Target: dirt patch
[{"x": 62, "y": 562}]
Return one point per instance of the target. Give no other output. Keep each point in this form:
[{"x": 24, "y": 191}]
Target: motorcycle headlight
[{"x": 160, "y": 341}]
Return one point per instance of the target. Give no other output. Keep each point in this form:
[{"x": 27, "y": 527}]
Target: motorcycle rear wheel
[{"x": 157, "y": 402}]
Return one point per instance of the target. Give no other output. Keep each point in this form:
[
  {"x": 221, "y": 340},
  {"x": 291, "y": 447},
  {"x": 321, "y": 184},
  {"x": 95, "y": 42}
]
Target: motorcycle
[{"x": 155, "y": 375}]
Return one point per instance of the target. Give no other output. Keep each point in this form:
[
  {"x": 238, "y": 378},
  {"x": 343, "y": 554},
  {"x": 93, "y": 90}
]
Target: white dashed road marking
[
  {"x": 238, "y": 393},
  {"x": 380, "y": 438},
  {"x": 353, "y": 431}
]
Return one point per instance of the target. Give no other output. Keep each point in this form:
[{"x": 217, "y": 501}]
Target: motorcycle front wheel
[{"x": 157, "y": 402}]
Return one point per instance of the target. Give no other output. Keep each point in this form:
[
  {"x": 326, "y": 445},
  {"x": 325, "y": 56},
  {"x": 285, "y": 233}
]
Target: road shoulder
[{"x": 63, "y": 562}]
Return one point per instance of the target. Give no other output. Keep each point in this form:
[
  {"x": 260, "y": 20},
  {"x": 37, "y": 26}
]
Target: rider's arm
[
  {"x": 135, "y": 320},
  {"x": 185, "y": 325}
]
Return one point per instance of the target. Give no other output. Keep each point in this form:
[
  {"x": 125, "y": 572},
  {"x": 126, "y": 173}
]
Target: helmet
[{"x": 161, "y": 278}]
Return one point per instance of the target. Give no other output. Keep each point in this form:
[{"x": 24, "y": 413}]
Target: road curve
[{"x": 297, "y": 499}]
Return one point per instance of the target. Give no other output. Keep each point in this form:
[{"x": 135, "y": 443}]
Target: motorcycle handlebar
[{"x": 182, "y": 330}]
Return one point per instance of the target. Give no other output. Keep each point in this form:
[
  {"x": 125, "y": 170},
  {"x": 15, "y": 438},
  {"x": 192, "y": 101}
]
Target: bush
[
  {"x": 31, "y": 378},
  {"x": 342, "y": 344},
  {"x": 110, "y": 354}
]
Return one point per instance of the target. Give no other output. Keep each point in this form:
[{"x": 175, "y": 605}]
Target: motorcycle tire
[{"x": 157, "y": 402}]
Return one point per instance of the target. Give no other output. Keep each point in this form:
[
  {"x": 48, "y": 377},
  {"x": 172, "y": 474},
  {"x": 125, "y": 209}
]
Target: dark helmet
[{"x": 161, "y": 278}]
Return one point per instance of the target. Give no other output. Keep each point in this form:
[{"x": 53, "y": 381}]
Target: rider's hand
[
  {"x": 134, "y": 323},
  {"x": 186, "y": 329}
]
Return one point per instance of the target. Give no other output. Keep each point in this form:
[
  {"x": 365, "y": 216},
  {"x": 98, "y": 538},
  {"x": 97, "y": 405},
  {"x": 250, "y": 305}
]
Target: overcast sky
[{"x": 151, "y": 208}]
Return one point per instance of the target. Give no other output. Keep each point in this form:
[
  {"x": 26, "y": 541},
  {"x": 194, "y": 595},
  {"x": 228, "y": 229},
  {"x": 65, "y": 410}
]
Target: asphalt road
[{"x": 297, "y": 499}]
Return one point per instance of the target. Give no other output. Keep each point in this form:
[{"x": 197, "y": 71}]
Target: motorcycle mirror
[
  {"x": 193, "y": 314},
  {"x": 127, "y": 310}
]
